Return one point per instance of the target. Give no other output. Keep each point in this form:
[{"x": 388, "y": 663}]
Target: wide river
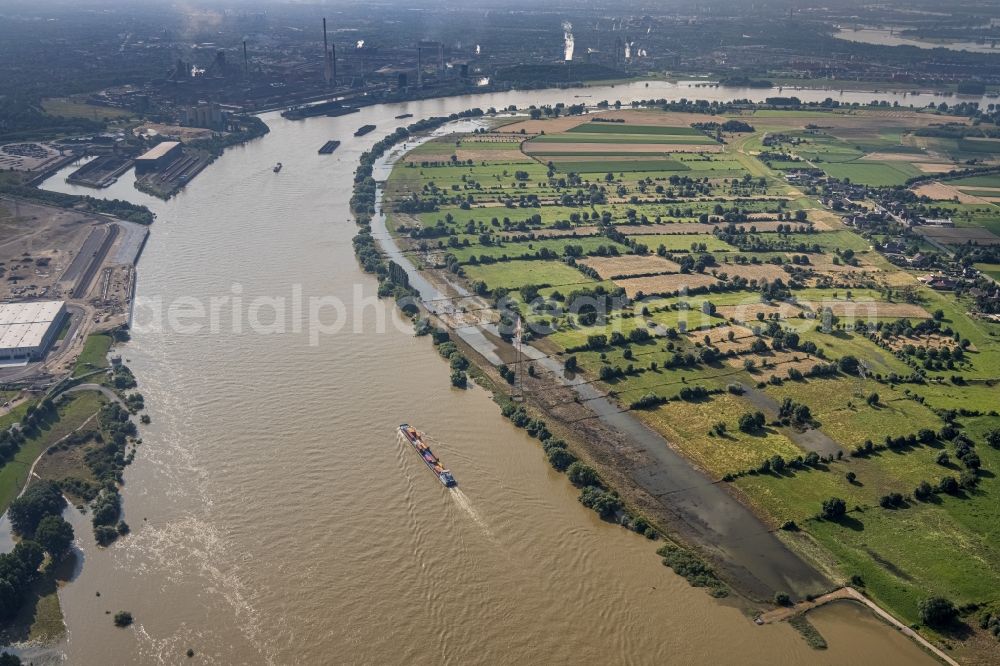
[{"x": 276, "y": 518}]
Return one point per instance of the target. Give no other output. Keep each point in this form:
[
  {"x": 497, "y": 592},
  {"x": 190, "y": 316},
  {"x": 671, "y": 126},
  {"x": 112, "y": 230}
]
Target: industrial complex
[
  {"x": 157, "y": 157},
  {"x": 63, "y": 274},
  {"x": 28, "y": 329}
]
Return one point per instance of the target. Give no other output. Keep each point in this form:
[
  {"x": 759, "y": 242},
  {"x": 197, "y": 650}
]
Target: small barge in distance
[
  {"x": 364, "y": 129},
  {"x": 329, "y": 147},
  {"x": 416, "y": 440}
]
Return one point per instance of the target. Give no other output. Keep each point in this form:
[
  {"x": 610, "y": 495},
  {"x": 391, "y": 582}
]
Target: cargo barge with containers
[
  {"x": 364, "y": 129},
  {"x": 416, "y": 440},
  {"x": 329, "y": 147}
]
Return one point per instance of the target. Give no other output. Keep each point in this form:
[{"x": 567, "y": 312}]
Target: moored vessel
[{"x": 329, "y": 147}]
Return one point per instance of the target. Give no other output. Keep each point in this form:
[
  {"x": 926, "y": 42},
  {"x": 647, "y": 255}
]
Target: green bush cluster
[
  {"x": 695, "y": 570},
  {"x": 37, "y": 517}
]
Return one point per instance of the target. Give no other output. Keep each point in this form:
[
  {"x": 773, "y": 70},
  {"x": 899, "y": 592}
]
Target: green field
[
  {"x": 67, "y": 107},
  {"x": 548, "y": 154},
  {"x": 635, "y": 166},
  {"x": 876, "y": 174},
  {"x": 585, "y": 137},
  {"x": 588, "y": 245},
  {"x": 516, "y": 274},
  {"x": 993, "y": 270},
  {"x": 683, "y": 242},
  {"x": 961, "y": 150},
  {"x": 992, "y": 180},
  {"x": 94, "y": 354},
  {"x": 629, "y": 128}
]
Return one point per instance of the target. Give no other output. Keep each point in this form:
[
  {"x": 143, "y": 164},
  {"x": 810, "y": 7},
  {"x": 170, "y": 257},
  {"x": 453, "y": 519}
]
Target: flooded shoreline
[{"x": 891, "y": 37}]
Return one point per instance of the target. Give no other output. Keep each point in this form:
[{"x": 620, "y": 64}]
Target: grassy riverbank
[
  {"x": 94, "y": 355},
  {"x": 70, "y": 415}
]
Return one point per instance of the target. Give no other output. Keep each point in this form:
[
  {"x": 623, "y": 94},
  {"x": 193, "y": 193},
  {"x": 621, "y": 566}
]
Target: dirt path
[
  {"x": 12, "y": 404},
  {"x": 850, "y": 594}
]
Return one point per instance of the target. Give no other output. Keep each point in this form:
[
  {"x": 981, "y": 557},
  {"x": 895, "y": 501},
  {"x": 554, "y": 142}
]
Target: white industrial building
[{"x": 28, "y": 329}]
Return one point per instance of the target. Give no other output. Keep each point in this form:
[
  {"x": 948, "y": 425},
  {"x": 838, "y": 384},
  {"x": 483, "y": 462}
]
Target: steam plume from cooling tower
[{"x": 567, "y": 41}]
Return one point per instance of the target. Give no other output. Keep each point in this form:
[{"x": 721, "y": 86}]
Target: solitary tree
[
  {"x": 747, "y": 423},
  {"x": 849, "y": 365},
  {"x": 937, "y": 611},
  {"x": 833, "y": 508}
]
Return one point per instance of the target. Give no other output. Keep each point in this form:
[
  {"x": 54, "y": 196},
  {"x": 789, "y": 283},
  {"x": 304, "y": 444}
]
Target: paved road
[
  {"x": 103, "y": 390},
  {"x": 131, "y": 245}
]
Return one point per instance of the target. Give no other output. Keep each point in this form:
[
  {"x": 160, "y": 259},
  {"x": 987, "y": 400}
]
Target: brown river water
[{"x": 276, "y": 518}]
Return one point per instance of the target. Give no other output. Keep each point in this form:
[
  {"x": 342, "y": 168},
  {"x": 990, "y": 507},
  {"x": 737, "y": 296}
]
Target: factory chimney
[
  {"x": 246, "y": 61},
  {"x": 327, "y": 73},
  {"x": 420, "y": 69}
]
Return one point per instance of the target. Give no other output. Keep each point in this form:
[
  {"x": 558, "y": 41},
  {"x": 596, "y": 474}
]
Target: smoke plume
[{"x": 567, "y": 41}]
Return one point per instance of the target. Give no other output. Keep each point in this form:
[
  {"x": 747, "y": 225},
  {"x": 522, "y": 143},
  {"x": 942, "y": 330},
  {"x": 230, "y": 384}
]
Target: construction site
[{"x": 55, "y": 254}]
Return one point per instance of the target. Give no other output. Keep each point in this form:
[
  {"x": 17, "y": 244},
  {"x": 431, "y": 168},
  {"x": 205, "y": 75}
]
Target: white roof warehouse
[{"x": 28, "y": 329}]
